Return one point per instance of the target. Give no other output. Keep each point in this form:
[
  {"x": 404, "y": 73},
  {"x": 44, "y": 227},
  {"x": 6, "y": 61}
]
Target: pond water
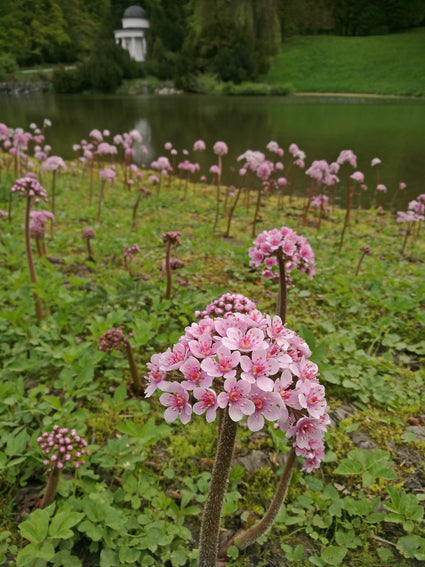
[{"x": 392, "y": 129}]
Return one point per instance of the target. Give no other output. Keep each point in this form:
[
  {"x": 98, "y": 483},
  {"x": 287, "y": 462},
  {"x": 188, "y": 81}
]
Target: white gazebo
[{"x": 132, "y": 36}]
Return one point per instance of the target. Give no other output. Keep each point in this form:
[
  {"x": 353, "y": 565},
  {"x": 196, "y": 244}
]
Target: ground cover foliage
[{"x": 138, "y": 499}]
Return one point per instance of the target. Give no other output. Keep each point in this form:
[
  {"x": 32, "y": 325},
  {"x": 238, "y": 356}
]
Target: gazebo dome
[
  {"x": 132, "y": 35},
  {"x": 134, "y": 12}
]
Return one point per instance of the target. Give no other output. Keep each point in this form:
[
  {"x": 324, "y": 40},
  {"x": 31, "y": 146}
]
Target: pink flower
[
  {"x": 381, "y": 187},
  {"x": 108, "y": 174},
  {"x": 53, "y": 163},
  {"x": 357, "y": 176},
  {"x": 236, "y": 398},
  {"x": 96, "y": 135},
  {"x": 220, "y": 148},
  {"x": 177, "y": 401},
  {"x": 207, "y": 402},
  {"x": 199, "y": 145},
  {"x": 245, "y": 342},
  {"x": 259, "y": 368},
  {"x": 402, "y": 185},
  {"x": 226, "y": 364},
  {"x": 266, "y": 406},
  {"x": 347, "y": 156},
  {"x": 194, "y": 375},
  {"x": 375, "y": 161},
  {"x": 168, "y": 146}
]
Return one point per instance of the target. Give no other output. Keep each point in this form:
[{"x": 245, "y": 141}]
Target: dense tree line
[{"x": 231, "y": 39}]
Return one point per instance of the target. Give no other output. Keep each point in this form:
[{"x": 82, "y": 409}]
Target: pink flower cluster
[
  {"x": 295, "y": 250},
  {"x": 226, "y": 305},
  {"x": 108, "y": 174},
  {"x": 88, "y": 233},
  {"x": 254, "y": 366},
  {"x": 53, "y": 163},
  {"x": 415, "y": 211},
  {"x": 61, "y": 446},
  {"x": 29, "y": 186},
  {"x": 37, "y": 223},
  {"x": 114, "y": 339}
]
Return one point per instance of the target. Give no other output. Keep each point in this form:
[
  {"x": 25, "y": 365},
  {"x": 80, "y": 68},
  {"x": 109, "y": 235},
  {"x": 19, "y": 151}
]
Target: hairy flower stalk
[
  {"x": 105, "y": 175},
  {"x": 88, "y": 234},
  {"x": 170, "y": 238},
  {"x": 248, "y": 537},
  {"x": 115, "y": 340},
  {"x": 210, "y": 525},
  {"x": 282, "y": 295},
  {"x": 232, "y": 210},
  {"x": 366, "y": 251},
  {"x": 29, "y": 188},
  {"x": 220, "y": 149}
]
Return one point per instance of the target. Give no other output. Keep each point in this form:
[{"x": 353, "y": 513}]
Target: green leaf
[
  {"x": 62, "y": 523},
  {"x": 178, "y": 558},
  {"x": 120, "y": 393},
  {"x": 333, "y": 555},
  {"x": 349, "y": 467},
  {"x": 129, "y": 554},
  {"x": 53, "y": 401},
  {"x": 233, "y": 552},
  {"x": 35, "y": 527},
  {"x": 17, "y": 443},
  {"x": 109, "y": 558},
  {"x": 412, "y": 546}
]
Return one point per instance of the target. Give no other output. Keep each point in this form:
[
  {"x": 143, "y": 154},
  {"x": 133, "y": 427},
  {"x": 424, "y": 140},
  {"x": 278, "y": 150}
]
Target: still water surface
[{"x": 391, "y": 129}]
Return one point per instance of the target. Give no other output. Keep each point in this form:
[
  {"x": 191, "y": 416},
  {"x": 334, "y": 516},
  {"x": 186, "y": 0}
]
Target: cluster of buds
[
  {"x": 130, "y": 251},
  {"x": 63, "y": 445},
  {"x": 226, "y": 305},
  {"x": 175, "y": 264},
  {"x": 172, "y": 237},
  {"x": 366, "y": 250},
  {"x": 295, "y": 251},
  {"x": 114, "y": 339},
  {"x": 252, "y": 365},
  {"x": 29, "y": 186}
]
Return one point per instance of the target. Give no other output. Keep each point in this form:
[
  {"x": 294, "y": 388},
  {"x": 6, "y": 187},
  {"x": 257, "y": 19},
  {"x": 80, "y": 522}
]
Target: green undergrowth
[{"x": 139, "y": 498}]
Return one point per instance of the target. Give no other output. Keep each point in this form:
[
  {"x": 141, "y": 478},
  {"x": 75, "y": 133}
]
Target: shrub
[{"x": 8, "y": 66}]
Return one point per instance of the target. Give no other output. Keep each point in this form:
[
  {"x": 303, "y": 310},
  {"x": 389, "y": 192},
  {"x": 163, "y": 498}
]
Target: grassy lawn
[{"x": 390, "y": 64}]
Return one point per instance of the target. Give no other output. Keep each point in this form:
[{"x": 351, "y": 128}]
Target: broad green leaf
[
  {"x": 349, "y": 467},
  {"x": 412, "y": 546},
  {"x": 17, "y": 443},
  {"x": 62, "y": 523},
  {"x": 35, "y": 527},
  {"x": 333, "y": 555},
  {"x": 129, "y": 554}
]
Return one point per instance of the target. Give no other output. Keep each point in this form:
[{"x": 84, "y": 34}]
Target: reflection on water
[{"x": 391, "y": 129}]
